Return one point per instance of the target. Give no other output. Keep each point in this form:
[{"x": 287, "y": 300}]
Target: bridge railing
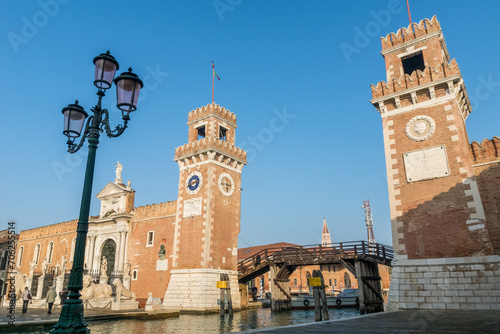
[{"x": 309, "y": 254}]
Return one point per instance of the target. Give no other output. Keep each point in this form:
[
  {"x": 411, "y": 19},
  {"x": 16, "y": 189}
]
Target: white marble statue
[
  {"x": 104, "y": 266},
  {"x": 127, "y": 268},
  {"x": 63, "y": 265},
  {"x": 45, "y": 266},
  {"x": 153, "y": 300},
  {"x": 32, "y": 269},
  {"x": 119, "y": 168},
  {"x": 92, "y": 290},
  {"x": 122, "y": 292}
]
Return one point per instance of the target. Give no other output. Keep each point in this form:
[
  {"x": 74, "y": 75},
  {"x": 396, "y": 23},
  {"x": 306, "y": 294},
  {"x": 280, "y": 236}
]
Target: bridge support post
[
  {"x": 280, "y": 287},
  {"x": 370, "y": 291}
]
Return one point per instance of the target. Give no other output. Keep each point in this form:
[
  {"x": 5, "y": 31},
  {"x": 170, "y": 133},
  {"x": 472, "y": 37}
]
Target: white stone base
[
  {"x": 153, "y": 308},
  {"x": 125, "y": 305},
  {"x": 98, "y": 303},
  {"x": 196, "y": 290},
  {"x": 467, "y": 283}
]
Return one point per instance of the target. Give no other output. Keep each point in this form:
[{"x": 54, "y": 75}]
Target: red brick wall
[{"x": 160, "y": 219}]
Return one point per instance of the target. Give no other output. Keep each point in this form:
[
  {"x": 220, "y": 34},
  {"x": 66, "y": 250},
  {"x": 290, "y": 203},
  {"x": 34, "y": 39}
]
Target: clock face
[
  {"x": 194, "y": 182},
  {"x": 226, "y": 184}
]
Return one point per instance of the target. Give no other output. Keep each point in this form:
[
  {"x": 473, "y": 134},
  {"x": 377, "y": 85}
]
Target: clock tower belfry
[
  {"x": 437, "y": 215},
  {"x": 208, "y": 211}
]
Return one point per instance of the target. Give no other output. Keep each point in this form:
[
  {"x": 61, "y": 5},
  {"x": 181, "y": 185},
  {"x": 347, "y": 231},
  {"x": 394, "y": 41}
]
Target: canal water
[{"x": 244, "y": 320}]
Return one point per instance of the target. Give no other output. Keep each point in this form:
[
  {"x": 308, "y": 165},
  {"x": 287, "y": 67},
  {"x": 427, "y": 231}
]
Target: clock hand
[{"x": 193, "y": 182}]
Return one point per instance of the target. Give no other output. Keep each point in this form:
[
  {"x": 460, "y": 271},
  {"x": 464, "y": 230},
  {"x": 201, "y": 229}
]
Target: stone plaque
[
  {"x": 161, "y": 265},
  {"x": 192, "y": 207},
  {"x": 426, "y": 164}
]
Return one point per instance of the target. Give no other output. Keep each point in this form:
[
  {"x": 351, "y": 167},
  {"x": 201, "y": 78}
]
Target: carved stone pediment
[{"x": 113, "y": 199}]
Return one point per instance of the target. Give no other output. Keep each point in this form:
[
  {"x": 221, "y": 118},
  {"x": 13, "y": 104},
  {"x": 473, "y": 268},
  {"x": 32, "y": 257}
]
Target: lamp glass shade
[
  {"x": 105, "y": 69},
  {"x": 128, "y": 86},
  {"x": 74, "y": 118}
]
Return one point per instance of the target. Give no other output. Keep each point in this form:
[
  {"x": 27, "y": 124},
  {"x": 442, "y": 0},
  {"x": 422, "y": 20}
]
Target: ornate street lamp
[{"x": 128, "y": 86}]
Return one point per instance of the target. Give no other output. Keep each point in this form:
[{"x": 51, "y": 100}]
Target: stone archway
[{"x": 109, "y": 251}]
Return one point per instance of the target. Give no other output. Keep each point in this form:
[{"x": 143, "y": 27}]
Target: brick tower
[
  {"x": 208, "y": 211},
  {"x": 440, "y": 233}
]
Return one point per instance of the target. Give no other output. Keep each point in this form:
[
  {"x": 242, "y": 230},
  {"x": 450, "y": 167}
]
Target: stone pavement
[
  {"x": 431, "y": 321},
  {"x": 37, "y": 319}
]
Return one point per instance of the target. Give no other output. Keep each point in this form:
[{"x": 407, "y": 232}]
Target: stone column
[
  {"x": 118, "y": 254},
  {"x": 91, "y": 252},
  {"x": 122, "y": 249},
  {"x": 40, "y": 287}
]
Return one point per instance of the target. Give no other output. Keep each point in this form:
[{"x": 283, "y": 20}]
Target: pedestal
[
  {"x": 103, "y": 279},
  {"x": 98, "y": 303},
  {"x": 196, "y": 290},
  {"x": 153, "y": 308},
  {"x": 39, "y": 291},
  {"x": 59, "y": 283},
  {"x": 125, "y": 305},
  {"x": 29, "y": 281}
]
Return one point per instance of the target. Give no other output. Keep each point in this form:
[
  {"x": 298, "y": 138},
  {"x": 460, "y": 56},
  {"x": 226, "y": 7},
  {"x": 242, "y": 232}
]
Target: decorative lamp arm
[
  {"x": 72, "y": 147},
  {"x": 119, "y": 128}
]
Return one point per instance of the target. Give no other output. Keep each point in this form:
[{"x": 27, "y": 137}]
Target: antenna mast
[{"x": 369, "y": 221}]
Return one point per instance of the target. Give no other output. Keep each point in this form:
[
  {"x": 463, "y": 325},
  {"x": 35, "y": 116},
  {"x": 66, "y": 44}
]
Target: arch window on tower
[{"x": 413, "y": 62}]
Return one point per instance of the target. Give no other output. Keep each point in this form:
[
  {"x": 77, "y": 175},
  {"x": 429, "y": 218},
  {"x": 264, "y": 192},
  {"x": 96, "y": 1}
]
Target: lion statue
[
  {"x": 122, "y": 292},
  {"x": 92, "y": 290},
  {"x": 20, "y": 282},
  {"x": 153, "y": 300}
]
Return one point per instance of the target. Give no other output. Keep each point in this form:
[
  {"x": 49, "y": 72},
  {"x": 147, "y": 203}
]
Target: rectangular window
[
  {"x": 201, "y": 132},
  {"x": 222, "y": 133},
  {"x": 334, "y": 268},
  {"x": 329, "y": 269},
  {"x": 330, "y": 281},
  {"x": 335, "y": 282},
  {"x": 294, "y": 282},
  {"x": 150, "y": 238}
]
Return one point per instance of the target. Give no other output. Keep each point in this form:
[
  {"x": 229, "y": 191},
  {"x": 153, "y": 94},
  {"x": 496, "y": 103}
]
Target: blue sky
[{"x": 273, "y": 58}]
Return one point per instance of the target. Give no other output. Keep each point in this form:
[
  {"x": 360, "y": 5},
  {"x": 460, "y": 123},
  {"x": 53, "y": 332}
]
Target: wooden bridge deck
[{"x": 342, "y": 253}]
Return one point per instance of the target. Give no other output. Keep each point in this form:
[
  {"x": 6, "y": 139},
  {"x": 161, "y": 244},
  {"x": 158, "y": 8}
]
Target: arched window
[
  {"x": 36, "y": 256},
  {"x": 50, "y": 250},
  {"x": 73, "y": 244},
  {"x": 20, "y": 256}
]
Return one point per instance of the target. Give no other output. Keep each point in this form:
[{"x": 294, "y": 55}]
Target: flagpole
[
  {"x": 213, "y": 80},
  {"x": 408, "y": 6}
]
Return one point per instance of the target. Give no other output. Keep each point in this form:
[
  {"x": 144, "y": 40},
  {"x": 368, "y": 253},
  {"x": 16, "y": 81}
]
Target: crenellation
[
  {"x": 205, "y": 144},
  {"x": 413, "y": 31},
  {"x": 212, "y": 109},
  {"x": 486, "y": 151}
]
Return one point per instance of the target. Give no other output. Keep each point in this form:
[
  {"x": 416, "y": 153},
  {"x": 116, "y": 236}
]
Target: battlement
[
  {"x": 210, "y": 143},
  {"x": 49, "y": 230},
  {"x": 417, "y": 78},
  {"x": 155, "y": 210},
  {"x": 403, "y": 35},
  {"x": 486, "y": 151},
  {"x": 211, "y": 109}
]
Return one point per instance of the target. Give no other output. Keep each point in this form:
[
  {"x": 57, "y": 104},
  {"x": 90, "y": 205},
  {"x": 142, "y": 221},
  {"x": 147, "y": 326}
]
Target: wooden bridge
[{"x": 359, "y": 257}]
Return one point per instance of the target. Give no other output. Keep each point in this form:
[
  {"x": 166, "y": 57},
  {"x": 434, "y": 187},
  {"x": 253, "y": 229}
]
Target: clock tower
[
  {"x": 437, "y": 215},
  {"x": 208, "y": 211}
]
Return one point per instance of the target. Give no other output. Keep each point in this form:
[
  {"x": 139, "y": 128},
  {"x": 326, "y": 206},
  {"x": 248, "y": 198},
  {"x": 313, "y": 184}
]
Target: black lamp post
[{"x": 128, "y": 86}]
